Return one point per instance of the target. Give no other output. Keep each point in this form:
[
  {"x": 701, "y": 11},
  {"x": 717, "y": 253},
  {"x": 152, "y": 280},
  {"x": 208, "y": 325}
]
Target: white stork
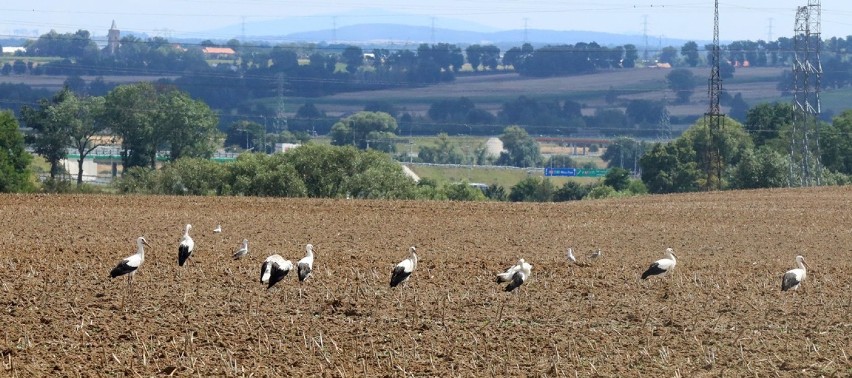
[
  {"x": 515, "y": 275},
  {"x": 131, "y": 263},
  {"x": 570, "y": 255},
  {"x": 794, "y": 277},
  {"x": 661, "y": 266},
  {"x": 403, "y": 270},
  {"x": 306, "y": 265},
  {"x": 186, "y": 246},
  {"x": 274, "y": 269},
  {"x": 240, "y": 253},
  {"x": 218, "y": 229}
]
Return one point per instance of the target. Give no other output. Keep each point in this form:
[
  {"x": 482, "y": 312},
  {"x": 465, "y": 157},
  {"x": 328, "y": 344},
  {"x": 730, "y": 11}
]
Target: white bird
[
  {"x": 596, "y": 254},
  {"x": 571, "y": 257},
  {"x": 515, "y": 275},
  {"x": 794, "y": 277},
  {"x": 507, "y": 275},
  {"x": 131, "y": 263},
  {"x": 403, "y": 270},
  {"x": 186, "y": 246},
  {"x": 661, "y": 266},
  {"x": 306, "y": 264},
  {"x": 218, "y": 229},
  {"x": 274, "y": 269},
  {"x": 242, "y": 251}
]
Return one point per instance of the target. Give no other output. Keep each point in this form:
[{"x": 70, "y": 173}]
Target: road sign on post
[
  {"x": 550, "y": 171},
  {"x": 574, "y": 172}
]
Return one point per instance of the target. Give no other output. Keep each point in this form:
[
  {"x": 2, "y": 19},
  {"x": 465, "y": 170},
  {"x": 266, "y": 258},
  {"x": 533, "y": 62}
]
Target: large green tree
[
  {"x": 762, "y": 167},
  {"x": 764, "y": 122},
  {"x": 443, "y": 152},
  {"x": 190, "y": 125},
  {"x": 365, "y": 130},
  {"x": 670, "y": 167},
  {"x": 521, "y": 149},
  {"x": 683, "y": 164},
  {"x": 130, "y": 115},
  {"x": 623, "y": 152},
  {"x": 148, "y": 118},
  {"x": 690, "y": 54},
  {"x": 14, "y": 159},
  {"x": 682, "y": 82},
  {"x": 50, "y": 135},
  {"x": 836, "y": 144},
  {"x": 82, "y": 120}
]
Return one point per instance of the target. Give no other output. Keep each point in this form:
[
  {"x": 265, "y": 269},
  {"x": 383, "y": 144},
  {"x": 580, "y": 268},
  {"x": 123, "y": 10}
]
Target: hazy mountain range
[{"x": 375, "y": 26}]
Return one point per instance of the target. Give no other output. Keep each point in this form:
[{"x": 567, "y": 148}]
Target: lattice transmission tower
[
  {"x": 713, "y": 117},
  {"x": 807, "y": 74},
  {"x": 665, "y": 124}
]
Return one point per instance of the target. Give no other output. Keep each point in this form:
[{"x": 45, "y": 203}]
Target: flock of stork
[{"x": 275, "y": 267}]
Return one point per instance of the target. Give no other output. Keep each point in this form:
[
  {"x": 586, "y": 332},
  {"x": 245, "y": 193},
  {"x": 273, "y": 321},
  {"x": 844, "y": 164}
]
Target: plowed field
[{"x": 720, "y": 314}]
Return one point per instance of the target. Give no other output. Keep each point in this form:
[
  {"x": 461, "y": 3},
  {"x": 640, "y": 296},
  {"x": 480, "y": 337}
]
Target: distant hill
[
  {"x": 403, "y": 34},
  {"x": 369, "y": 26}
]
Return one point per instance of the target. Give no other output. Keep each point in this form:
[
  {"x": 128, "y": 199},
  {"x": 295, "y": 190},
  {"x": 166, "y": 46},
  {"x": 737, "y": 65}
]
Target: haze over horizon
[{"x": 760, "y": 19}]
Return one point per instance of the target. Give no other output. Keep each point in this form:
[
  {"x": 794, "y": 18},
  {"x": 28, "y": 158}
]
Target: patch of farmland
[{"x": 721, "y": 313}]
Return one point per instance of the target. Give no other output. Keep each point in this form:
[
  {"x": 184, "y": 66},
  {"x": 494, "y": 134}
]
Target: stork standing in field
[
  {"x": 186, "y": 246},
  {"x": 274, "y": 269},
  {"x": 794, "y": 277},
  {"x": 305, "y": 266},
  {"x": 218, "y": 229},
  {"x": 515, "y": 275},
  {"x": 403, "y": 270},
  {"x": 570, "y": 256},
  {"x": 661, "y": 266},
  {"x": 132, "y": 263},
  {"x": 240, "y": 253}
]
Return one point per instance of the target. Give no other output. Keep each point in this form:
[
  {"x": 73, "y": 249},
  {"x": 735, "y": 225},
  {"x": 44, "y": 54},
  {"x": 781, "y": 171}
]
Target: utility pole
[
  {"x": 645, "y": 35},
  {"x": 713, "y": 117},
  {"x": 807, "y": 75}
]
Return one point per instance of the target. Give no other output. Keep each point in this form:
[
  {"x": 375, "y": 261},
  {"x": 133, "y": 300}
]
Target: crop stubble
[{"x": 722, "y": 312}]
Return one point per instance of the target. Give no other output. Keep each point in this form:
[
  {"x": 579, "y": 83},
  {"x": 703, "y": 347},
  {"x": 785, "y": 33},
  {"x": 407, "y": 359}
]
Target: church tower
[{"x": 113, "y": 37}]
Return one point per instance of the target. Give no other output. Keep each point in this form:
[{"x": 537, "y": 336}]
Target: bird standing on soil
[
  {"x": 240, "y": 253},
  {"x": 186, "y": 246},
  {"x": 570, "y": 256},
  {"x": 661, "y": 266},
  {"x": 306, "y": 265},
  {"x": 274, "y": 269},
  {"x": 596, "y": 254},
  {"x": 218, "y": 229},
  {"x": 403, "y": 270},
  {"x": 515, "y": 275},
  {"x": 794, "y": 277},
  {"x": 131, "y": 263}
]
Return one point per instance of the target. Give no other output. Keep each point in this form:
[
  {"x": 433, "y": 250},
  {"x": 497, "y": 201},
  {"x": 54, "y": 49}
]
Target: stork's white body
[
  {"x": 794, "y": 277},
  {"x": 570, "y": 255},
  {"x": 662, "y": 266},
  {"x": 306, "y": 265},
  {"x": 515, "y": 275},
  {"x": 274, "y": 269},
  {"x": 186, "y": 246},
  {"x": 404, "y": 268},
  {"x": 131, "y": 264}
]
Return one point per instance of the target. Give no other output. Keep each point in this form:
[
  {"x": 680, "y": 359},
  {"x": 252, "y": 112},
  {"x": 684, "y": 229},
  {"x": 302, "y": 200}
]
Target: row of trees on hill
[
  {"x": 143, "y": 118},
  {"x": 752, "y": 155}
]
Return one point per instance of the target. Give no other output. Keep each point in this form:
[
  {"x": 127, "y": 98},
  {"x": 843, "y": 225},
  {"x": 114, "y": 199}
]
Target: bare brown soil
[{"x": 721, "y": 314}]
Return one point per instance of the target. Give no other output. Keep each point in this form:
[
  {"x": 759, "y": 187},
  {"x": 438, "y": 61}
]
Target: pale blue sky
[{"x": 688, "y": 19}]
